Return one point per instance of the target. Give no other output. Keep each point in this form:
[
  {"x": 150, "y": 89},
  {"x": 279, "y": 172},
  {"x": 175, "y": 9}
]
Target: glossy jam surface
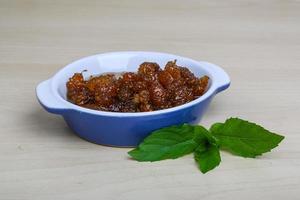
[{"x": 151, "y": 88}]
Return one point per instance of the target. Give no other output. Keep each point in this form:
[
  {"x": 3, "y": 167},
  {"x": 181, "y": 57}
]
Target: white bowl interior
[{"x": 119, "y": 62}]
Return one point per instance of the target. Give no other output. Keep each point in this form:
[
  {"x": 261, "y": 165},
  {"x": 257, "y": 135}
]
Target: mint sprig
[{"x": 235, "y": 135}]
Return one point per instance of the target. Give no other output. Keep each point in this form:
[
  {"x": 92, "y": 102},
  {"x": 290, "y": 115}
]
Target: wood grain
[{"x": 256, "y": 42}]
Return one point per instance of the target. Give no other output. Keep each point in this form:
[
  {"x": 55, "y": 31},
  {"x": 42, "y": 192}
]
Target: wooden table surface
[{"x": 256, "y": 42}]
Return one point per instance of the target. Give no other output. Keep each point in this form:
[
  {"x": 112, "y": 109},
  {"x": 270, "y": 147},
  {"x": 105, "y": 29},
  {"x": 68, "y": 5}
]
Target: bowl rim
[{"x": 212, "y": 90}]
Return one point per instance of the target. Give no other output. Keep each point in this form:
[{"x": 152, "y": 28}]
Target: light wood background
[{"x": 257, "y": 42}]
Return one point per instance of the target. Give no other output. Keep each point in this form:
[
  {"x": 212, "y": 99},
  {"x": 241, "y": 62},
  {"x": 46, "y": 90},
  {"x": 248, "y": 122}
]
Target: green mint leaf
[
  {"x": 207, "y": 157},
  {"x": 215, "y": 126},
  {"x": 200, "y": 134},
  {"x": 203, "y": 132},
  {"x": 168, "y": 143},
  {"x": 244, "y": 138}
]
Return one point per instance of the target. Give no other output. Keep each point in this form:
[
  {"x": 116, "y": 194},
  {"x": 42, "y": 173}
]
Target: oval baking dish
[{"x": 125, "y": 129}]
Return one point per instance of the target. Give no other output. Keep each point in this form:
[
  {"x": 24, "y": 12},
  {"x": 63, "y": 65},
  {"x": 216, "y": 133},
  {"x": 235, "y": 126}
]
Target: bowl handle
[
  {"x": 48, "y": 100},
  {"x": 221, "y": 80}
]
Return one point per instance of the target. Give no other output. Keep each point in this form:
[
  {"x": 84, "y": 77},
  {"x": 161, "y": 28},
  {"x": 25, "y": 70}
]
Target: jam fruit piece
[{"x": 76, "y": 90}]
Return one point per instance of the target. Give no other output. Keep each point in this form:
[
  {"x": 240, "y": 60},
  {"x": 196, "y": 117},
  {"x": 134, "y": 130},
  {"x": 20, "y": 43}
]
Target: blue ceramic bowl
[{"x": 125, "y": 129}]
